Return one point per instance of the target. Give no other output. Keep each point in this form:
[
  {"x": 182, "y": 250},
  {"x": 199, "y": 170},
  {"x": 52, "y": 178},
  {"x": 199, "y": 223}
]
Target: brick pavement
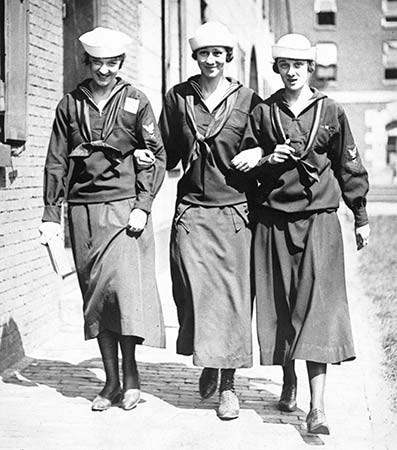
[{"x": 45, "y": 399}]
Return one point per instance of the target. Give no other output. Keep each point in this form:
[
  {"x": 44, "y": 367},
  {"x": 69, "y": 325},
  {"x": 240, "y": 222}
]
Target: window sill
[
  {"x": 390, "y": 82},
  {"x": 324, "y": 27},
  {"x": 388, "y": 25}
]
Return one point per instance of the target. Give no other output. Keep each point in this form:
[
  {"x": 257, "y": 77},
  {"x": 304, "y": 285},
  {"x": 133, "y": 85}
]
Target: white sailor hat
[
  {"x": 211, "y": 34},
  {"x": 104, "y": 43},
  {"x": 294, "y": 46}
]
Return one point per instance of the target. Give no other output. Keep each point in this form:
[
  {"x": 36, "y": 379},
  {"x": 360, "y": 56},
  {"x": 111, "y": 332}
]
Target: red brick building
[{"x": 357, "y": 65}]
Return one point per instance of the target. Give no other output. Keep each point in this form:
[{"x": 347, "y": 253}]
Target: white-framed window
[
  {"x": 325, "y": 11},
  {"x": 326, "y": 61},
  {"x": 391, "y": 146},
  {"x": 390, "y": 60},
  {"x": 389, "y": 8}
]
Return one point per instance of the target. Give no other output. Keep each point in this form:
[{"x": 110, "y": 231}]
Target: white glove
[
  {"x": 49, "y": 230},
  {"x": 247, "y": 159},
  {"x": 282, "y": 153},
  {"x": 137, "y": 220},
  {"x": 144, "y": 158}
]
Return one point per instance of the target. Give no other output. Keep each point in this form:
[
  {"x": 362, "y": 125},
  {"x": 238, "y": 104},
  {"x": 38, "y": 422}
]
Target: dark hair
[
  {"x": 229, "y": 53},
  {"x": 87, "y": 59},
  {"x": 311, "y": 65}
]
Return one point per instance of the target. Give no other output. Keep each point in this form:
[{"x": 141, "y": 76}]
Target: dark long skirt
[
  {"x": 116, "y": 272},
  {"x": 210, "y": 268},
  {"x": 302, "y": 309}
]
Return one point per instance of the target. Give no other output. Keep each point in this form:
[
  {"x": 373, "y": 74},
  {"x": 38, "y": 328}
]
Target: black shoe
[
  {"x": 208, "y": 382},
  {"x": 287, "y": 402}
]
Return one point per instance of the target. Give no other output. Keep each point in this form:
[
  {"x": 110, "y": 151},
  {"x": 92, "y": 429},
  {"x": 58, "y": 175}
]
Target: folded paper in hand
[{"x": 59, "y": 257}]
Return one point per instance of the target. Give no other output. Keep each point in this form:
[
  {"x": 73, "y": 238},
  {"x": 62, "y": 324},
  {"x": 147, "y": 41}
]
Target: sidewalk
[{"x": 45, "y": 400}]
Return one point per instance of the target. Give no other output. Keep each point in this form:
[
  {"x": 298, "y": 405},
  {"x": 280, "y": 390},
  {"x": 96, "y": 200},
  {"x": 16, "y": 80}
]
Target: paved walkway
[{"x": 45, "y": 400}]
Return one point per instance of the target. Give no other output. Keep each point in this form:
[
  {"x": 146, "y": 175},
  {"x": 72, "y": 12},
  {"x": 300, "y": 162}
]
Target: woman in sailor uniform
[
  {"x": 90, "y": 163},
  {"x": 309, "y": 162}
]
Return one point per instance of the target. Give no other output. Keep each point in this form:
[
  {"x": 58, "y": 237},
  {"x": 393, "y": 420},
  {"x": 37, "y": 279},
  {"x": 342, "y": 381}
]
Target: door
[{"x": 78, "y": 17}]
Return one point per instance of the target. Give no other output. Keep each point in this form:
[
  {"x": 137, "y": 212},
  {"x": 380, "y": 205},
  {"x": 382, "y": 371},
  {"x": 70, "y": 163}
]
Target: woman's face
[
  {"x": 104, "y": 71},
  {"x": 294, "y": 73},
  {"x": 211, "y": 61}
]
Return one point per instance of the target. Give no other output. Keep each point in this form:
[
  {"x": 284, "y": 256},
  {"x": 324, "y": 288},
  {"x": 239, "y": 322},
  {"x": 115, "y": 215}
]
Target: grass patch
[{"x": 378, "y": 272}]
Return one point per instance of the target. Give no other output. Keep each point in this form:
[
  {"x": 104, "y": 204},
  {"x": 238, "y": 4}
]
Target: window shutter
[{"x": 16, "y": 64}]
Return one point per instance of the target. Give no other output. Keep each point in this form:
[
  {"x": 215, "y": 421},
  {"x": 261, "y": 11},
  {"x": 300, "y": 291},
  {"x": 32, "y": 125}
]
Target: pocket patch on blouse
[{"x": 131, "y": 105}]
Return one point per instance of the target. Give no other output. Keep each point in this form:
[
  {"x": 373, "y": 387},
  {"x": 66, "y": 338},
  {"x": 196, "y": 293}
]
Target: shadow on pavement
[
  {"x": 176, "y": 384},
  {"x": 11, "y": 345},
  {"x": 68, "y": 379}
]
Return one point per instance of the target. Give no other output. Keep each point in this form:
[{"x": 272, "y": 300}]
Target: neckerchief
[
  {"x": 222, "y": 113},
  {"x": 117, "y": 100},
  {"x": 310, "y": 171}
]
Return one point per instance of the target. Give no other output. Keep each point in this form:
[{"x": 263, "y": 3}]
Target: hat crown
[
  {"x": 211, "y": 34},
  {"x": 294, "y": 46},
  {"x": 295, "y": 41},
  {"x": 104, "y": 42}
]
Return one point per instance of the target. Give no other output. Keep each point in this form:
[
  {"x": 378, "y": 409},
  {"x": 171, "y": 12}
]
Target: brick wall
[
  {"x": 30, "y": 294},
  {"x": 122, "y": 15},
  {"x": 360, "y": 86},
  {"x": 358, "y": 36},
  {"x": 28, "y": 300}
]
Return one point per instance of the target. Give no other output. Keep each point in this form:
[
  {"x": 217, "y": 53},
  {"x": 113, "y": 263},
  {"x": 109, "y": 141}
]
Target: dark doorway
[{"x": 78, "y": 17}]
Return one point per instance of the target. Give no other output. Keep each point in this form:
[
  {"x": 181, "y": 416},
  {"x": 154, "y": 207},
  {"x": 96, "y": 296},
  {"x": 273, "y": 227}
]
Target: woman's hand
[
  {"x": 247, "y": 159},
  {"x": 144, "y": 158},
  {"x": 281, "y": 153},
  {"x": 137, "y": 220},
  {"x": 49, "y": 230},
  {"x": 362, "y": 236}
]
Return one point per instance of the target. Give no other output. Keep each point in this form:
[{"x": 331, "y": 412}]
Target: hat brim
[
  {"x": 104, "y": 52},
  {"x": 196, "y": 44},
  {"x": 308, "y": 54}
]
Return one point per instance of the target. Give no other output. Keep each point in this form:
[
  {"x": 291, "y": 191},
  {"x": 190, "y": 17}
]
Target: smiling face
[
  {"x": 294, "y": 73},
  {"x": 211, "y": 61},
  {"x": 104, "y": 71}
]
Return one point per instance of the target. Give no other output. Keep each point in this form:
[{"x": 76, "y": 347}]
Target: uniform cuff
[
  {"x": 144, "y": 202},
  {"x": 360, "y": 217},
  {"x": 263, "y": 160},
  {"x": 52, "y": 214}
]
